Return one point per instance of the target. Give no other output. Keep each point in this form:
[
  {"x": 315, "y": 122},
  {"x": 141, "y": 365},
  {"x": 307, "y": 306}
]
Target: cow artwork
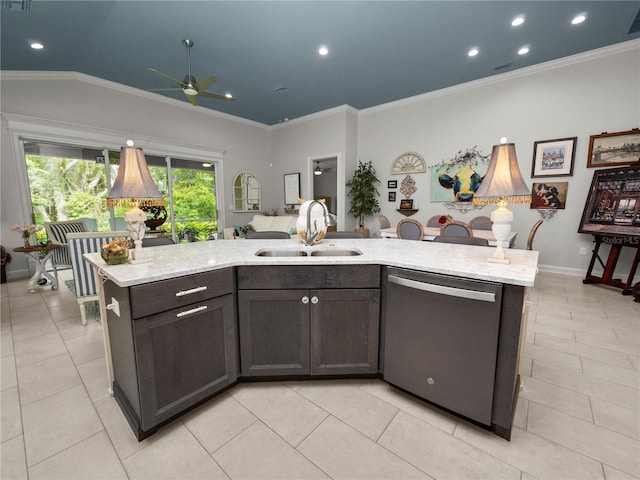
[
  {"x": 464, "y": 183},
  {"x": 458, "y": 179}
]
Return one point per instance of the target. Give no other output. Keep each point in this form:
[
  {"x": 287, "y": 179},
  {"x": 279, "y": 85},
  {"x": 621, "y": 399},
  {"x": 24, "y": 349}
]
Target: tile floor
[{"x": 577, "y": 418}]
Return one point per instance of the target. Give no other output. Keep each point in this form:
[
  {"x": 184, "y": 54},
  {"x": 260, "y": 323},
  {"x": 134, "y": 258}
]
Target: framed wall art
[
  {"x": 609, "y": 149},
  {"x": 554, "y": 158},
  {"x": 406, "y": 204},
  {"x": 291, "y": 188},
  {"x": 549, "y": 195},
  {"x": 392, "y": 184},
  {"x": 392, "y": 196},
  {"x": 613, "y": 203}
]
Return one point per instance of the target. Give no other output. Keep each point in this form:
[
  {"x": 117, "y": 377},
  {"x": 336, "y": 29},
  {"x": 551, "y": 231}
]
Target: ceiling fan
[
  {"x": 319, "y": 170},
  {"x": 190, "y": 86}
]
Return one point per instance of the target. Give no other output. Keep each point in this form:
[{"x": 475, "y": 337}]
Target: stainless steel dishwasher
[{"x": 441, "y": 339}]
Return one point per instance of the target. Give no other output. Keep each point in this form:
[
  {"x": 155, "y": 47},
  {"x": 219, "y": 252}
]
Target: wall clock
[{"x": 408, "y": 162}]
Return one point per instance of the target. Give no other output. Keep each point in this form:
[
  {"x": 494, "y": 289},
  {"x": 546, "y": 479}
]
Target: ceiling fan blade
[
  {"x": 207, "y": 82},
  {"x": 193, "y": 99},
  {"x": 217, "y": 96},
  {"x": 165, "y": 76},
  {"x": 164, "y": 89}
]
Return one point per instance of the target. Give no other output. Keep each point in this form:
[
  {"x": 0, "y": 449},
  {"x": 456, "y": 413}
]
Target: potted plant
[
  {"x": 363, "y": 193},
  {"x": 5, "y": 257}
]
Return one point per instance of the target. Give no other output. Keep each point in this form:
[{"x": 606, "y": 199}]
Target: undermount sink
[
  {"x": 336, "y": 253},
  {"x": 281, "y": 253}
]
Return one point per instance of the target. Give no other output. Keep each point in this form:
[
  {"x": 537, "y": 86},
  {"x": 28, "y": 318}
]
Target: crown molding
[
  {"x": 503, "y": 77},
  {"x": 314, "y": 116}
]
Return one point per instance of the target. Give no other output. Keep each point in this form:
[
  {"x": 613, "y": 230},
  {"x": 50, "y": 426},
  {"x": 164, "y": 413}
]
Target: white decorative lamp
[
  {"x": 502, "y": 184},
  {"x": 134, "y": 187}
]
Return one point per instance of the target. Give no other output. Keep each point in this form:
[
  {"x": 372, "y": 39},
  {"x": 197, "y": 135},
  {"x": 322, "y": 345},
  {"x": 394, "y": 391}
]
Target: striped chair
[
  {"x": 57, "y": 233},
  {"x": 86, "y": 282}
]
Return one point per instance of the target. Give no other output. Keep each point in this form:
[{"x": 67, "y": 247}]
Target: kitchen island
[{"x": 200, "y": 317}]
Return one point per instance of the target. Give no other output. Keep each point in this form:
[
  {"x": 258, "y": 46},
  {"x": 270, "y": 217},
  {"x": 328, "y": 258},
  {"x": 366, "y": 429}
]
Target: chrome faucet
[{"x": 311, "y": 235}]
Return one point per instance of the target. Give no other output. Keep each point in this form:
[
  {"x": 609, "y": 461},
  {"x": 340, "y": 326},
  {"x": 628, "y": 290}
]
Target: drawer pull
[
  {"x": 193, "y": 310},
  {"x": 182, "y": 293}
]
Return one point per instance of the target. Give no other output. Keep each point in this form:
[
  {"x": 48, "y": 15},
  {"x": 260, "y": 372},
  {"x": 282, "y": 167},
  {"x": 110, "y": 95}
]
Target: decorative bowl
[{"x": 116, "y": 256}]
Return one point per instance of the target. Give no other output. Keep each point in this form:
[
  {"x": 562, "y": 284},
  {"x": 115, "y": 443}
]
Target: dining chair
[
  {"x": 455, "y": 227},
  {"x": 267, "y": 234},
  {"x": 344, "y": 234},
  {"x": 434, "y": 221},
  {"x": 532, "y": 233},
  {"x": 384, "y": 222},
  {"x": 57, "y": 233},
  {"x": 480, "y": 223},
  {"x": 409, "y": 229},
  {"x": 482, "y": 242}
]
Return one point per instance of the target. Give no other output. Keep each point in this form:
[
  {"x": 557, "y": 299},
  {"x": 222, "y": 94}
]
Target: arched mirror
[{"x": 246, "y": 192}]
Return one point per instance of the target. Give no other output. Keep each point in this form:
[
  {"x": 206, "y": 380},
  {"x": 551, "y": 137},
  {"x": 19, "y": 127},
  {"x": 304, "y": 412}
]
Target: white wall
[{"x": 575, "y": 97}]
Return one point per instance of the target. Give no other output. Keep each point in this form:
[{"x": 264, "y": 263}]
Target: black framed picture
[
  {"x": 406, "y": 204},
  {"x": 554, "y": 158},
  {"x": 392, "y": 184},
  {"x": 392, "y": 196},
  {"x": 609, "y": 149}
]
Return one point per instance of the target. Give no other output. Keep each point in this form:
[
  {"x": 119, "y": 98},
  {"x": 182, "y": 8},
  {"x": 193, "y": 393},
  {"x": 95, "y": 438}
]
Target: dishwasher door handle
[{"x": 442, "y": 290}]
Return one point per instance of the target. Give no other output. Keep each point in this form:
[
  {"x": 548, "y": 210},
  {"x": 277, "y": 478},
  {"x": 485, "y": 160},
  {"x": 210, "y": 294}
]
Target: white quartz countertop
[{"x": 170, "y": 261}]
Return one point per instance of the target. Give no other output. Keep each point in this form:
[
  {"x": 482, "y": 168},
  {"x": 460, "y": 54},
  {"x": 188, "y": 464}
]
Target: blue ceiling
[{"x": 265, "y": 52}]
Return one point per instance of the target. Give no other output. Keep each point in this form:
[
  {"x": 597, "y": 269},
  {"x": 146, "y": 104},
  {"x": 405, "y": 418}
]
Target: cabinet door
[
  {"x": 184, "y": 356},
  {"x": 274, "y": 332},
  {"x": 344, "y": 331}
]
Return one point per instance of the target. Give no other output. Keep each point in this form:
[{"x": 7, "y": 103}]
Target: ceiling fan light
[
  {"x": 189, "y": 90},
  {"x": 318, "y": 170}
]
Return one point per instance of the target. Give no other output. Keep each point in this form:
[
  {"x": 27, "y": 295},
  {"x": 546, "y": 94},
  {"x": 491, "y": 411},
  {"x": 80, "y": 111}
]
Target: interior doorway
[{"x": 325, "y": 181}]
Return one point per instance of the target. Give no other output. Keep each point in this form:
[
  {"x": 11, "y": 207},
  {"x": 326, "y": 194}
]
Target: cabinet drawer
[
  {"x": 308, "y": 276},
  {"x": 157, "y": 297}
]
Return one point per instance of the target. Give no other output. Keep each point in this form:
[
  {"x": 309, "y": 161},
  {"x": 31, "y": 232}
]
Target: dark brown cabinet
[
  {"x": 166, "y": 361},
  {"x": 329, "y": 328}
]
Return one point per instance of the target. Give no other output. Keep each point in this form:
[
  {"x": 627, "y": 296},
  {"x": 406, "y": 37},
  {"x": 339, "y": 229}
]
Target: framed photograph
[
  {"x": 392, "y": 196},
  {"x": 609, "y": 149},
  {"x": 291, "y": 188},
  {"x": 406, "y": 204},
  {"x": 549, "y": 195},
  {"x": 392, "y": 184},
  {"x": 613, "y": 203},
  {"x": 554, "y": 158}
]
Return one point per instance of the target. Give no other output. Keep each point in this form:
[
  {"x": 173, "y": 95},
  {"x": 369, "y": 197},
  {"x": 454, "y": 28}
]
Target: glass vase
[{"x": 27, "y": 243}]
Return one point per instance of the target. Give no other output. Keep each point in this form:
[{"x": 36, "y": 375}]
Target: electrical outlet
[
  {"x": 583, "y": 250},
  {"x": 115, "y": 306}
]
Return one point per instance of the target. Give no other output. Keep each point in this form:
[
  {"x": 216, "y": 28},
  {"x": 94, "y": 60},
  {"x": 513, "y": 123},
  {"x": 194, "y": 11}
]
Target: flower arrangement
[
  {"x": 445, "y": 219},
  {"x": 26, "y": 231},
  {"x": 116, "y": 251}
]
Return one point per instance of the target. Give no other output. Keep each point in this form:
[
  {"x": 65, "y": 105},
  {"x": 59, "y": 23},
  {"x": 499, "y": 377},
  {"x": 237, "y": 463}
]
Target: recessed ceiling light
[
  {"x": 519, "y": 20},
  {"x": 523, "y": 51},
  {"x": 37, "y": 46},
  {"x": 578, "y": 19},
  {"x": 207, "y": 164},
  {"x": 473, "y": 52},
  {"x": 323, "y": 50}
]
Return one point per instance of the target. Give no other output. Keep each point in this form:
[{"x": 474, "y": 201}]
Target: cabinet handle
[
  {"x": 182, "y": 293},
  {"x": 314, "y": 300},
  {"x": 430, "y": 381},
  {"x": 305, "y": 299},
  {"x": 193, "y": 310}
]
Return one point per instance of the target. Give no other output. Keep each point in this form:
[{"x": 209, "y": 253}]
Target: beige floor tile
[
  {"x": 218, "y": 421},
  {"x": 522, "y": 412},
  {"x": 613, "y": 474},
  {"x": 597, "y": 327},
  {"x": 439, "y": 454},
  {"x": 271, "y": 457},
  {"x": 614, "y": 449},
  {"x": 37, "y": 349},
  {"x": 343, "y": 452},
  {"x": 10, "y": 421},
  {"x": 74, "y": 328},
  {"x": 582, "y": 350},
  {"x": 625, "y": 376},
  {"x": 173, "y": 453},
  {"x": 533, "y": 454},
  {"x": 86, "y": 348},
  {"x": 589, "y": 385},
  {"x": 13, "y": 465},
  {"x": 557, "y": 397},
  {"x": 28, "y": 312},
  {"x": 6, "y": 343},
  {"x": 284, "y": 410},
  {"x": 32, "y": 328},
  {"x": 91, "y": 459},
  {"x": 551, "y": 330},
  {"x": 355, "y": 407},
  {"x": 9, "y": 378},
  {"x": 411, "y": 405},
  {"x": 619, "y": 419},
  {"x": 119, "y": 431},
  {"x": 57, "y": 422},
  {"x": 95, "y": 378},
  {"x": 42, "y": 379},
  {"x": 635, "y": 361},
  {"x": 551, "y": 356},
  {"x": 627, "y": 345}
]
